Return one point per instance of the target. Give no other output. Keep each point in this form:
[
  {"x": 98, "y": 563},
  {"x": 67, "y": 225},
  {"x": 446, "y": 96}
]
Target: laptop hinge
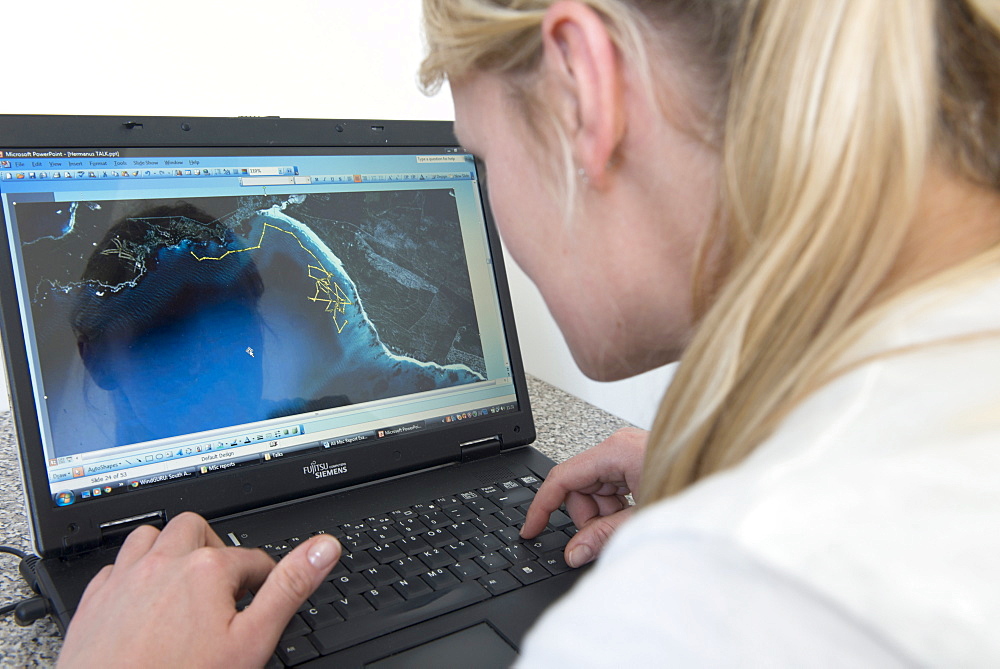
[
  {"x": 481, "y": 448},
  {"x": 114, "y": 532}
]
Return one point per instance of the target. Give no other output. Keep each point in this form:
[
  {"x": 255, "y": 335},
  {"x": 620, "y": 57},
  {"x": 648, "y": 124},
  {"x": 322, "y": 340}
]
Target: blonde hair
[{"x": 827, "y": 114}]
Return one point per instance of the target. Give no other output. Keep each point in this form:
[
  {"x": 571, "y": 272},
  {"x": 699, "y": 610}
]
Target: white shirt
[{"x": 864, "y": 532}]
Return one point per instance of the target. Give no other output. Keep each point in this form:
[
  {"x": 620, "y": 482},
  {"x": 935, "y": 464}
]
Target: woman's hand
[
  {"x": 593, "y": 486},
  {"x": 170, "y": 600}
]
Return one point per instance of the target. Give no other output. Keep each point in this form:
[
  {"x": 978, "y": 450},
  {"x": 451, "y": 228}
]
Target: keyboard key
[
  {"x": 554, "y": 562},
  {"x": 352, "y": 606},
  {"x": 410, "y": 527},
  {"x": 491, "y": 562},
  {"x": 359, "y": 561},
  {"x": 435, "y": 520},
  {"x": 401, "y": 514},
  {"x": 324, "y": 593},
  {"x": 353, "y": 528},
  {"x": 276, "y": 549},
  {"x": 461, "y": 550},
  {"x": 482, "y": 506},
  {"x": 296, "y": 651},
  {"x": 321, "y": 616},
  {"x": 460, "y": 513},
  {"x": 411, "y": 587},
  {"x": 464, "y": 531},
  {"x": 381, "y": 575},
  {"x": 351, "y": 584},
  {"x": 487, "y": 543},
  {"x": 385, "y": 553},
  {"x": 469, "y": 496},
  {"x": 408, "y": 566},
  {"x": 436, "y": 558},
  {"x": 337, "y": 637},
  {"x": 490, "y": 490},
  {"x": 512, "y": 517},
  {"x": 530, "y": 482},
  {"x": 499, "y": 583},
  {"x": 447, "y": 502},
  {"x": 383, "y": 598},
  {"x": 514, "y": 498},
  {"x": 423, "y": 509},
  {"x": 488, "y": 523},
  {"x": 383, "y": 534},
  {"x": 559, "y": 520},
  {"x": 356, "y": 542},
  {"x": 244, "y": 602},
  {"x": 295, "y": 627},
  {"x": 515, "y": 554},
  {"x": 413, "y": 545},
  {"x": 466, "y": 570},
  {"x": 381, "y": 519},
  {"x": 528, "y": 572},
  {"x": 547, "y": 542},
  {"x": 439, "y": 537},
  {"x": 509, "y": 536},
  {"x": 510, "y": 485},
  {"x": 439, "y": 579}
]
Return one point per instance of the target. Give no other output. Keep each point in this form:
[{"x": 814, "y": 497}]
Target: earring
[{"x": 582, "y": 173}]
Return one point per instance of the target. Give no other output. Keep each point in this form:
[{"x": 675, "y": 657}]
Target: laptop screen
[{"x": 189, "y": 311}]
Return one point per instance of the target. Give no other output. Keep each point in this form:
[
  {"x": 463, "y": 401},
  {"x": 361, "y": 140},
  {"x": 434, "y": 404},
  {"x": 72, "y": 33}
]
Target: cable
[
  {"x": 13, "y": 551},
  {"x": 28, "y": 566},
  {"x": 31, "y": 609},
  {"x": 28, "y": 611}
]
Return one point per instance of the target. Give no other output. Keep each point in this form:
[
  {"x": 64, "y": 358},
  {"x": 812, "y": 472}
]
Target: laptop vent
[{"x": 495, "y": 474}]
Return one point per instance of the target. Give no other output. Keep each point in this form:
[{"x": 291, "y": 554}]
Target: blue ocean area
[{"x": 209, "y": 333}]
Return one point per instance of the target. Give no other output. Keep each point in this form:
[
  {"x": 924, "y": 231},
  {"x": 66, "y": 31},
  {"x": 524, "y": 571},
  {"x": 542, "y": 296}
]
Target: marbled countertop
[{"x": 566, "y": 425}]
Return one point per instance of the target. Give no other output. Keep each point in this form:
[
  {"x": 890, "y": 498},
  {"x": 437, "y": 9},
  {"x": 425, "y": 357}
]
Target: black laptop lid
[{"x": 220, "y": 314}]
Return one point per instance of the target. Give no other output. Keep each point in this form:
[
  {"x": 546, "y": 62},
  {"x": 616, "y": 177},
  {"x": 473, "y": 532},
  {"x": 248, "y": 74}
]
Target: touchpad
[{"x": 477, "y": 646}]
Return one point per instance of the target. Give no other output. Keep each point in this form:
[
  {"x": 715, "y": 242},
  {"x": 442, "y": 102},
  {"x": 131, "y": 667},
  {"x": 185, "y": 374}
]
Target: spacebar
[{"x": 349, "y": 633}]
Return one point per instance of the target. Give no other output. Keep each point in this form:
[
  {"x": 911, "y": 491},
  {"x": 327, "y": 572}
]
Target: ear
[{"x": 585, "y": 84}]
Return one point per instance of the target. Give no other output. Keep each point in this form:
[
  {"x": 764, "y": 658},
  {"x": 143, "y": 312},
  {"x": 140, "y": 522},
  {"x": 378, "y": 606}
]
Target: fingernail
[
  {"x": 323, "y": 553},
  {"x": 579, "y": 556}
]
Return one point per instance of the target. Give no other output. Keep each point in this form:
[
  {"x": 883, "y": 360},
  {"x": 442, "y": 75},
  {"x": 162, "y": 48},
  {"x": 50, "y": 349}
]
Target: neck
[{"x": 955, "y": 221}]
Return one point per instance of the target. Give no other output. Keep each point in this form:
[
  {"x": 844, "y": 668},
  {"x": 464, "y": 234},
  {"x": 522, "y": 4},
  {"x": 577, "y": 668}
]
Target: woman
[{"x": 801, "y": 197}]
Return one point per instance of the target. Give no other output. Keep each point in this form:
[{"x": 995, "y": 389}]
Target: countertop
[{"x": 565, "y": 424}]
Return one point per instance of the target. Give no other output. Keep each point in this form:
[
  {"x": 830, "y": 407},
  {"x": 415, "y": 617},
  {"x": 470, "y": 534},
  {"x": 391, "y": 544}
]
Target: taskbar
[{"x": 122, "y": 482}]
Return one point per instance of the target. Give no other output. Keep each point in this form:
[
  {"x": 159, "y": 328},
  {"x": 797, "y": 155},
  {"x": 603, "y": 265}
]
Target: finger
[
  {"x": 137, "y": 544},
  {"x": 284, "y": 590},
  {"x": 595, "y": 471},
  {"x": 535, "y": 519},
  {"x": 97, "y": 582},
  {"x": 590, "y": 540},
  {"x": 563, "y": 481},
  {"x": 581, "y": 508},
  {"x": 608, "y": 504},
  {"x": 186, "y": 533},
  {"x": 250, "y": 568}
]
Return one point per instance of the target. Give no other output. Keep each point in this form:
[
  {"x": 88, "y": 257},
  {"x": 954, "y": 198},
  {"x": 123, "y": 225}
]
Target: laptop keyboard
[{"x": 412, "y": 564}]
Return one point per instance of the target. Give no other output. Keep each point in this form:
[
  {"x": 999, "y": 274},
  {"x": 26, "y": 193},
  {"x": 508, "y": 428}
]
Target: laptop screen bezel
[{"x": 75, "y": 528}]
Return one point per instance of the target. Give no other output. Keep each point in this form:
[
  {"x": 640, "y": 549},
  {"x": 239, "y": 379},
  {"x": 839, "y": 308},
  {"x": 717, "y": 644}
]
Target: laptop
[{"x": 291, "y": 327}]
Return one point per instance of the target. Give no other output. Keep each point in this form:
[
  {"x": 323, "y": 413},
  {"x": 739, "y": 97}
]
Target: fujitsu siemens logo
[{"x": 324, "y": 469}]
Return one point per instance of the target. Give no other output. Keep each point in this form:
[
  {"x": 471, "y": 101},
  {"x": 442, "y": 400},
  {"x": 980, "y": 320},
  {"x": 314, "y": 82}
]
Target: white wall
[{"x": 299, "y": 58}]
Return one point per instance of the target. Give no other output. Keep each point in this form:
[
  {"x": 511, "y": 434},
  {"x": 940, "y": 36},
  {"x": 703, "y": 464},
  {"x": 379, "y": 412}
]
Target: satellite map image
[{"x": 162, "y": 317}]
